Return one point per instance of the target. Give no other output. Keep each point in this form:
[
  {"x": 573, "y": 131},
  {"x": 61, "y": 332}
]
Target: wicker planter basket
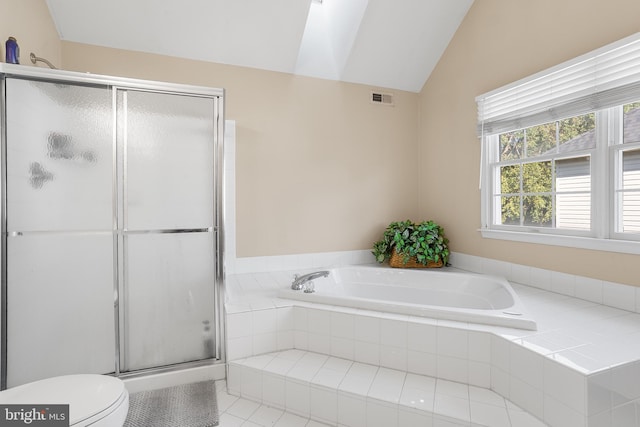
[{"x": 396, "y": 262}]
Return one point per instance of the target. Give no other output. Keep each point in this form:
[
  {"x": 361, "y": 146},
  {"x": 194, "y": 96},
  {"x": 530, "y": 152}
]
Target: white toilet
[{"x": 95, "y": 400}]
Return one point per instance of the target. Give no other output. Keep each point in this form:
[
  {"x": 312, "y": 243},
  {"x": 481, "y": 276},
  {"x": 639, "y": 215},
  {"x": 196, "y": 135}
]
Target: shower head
[{"x": 35, "y": 59}]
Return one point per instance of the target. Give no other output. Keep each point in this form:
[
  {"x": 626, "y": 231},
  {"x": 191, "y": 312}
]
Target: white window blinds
[{"x": 603, "y": 78}]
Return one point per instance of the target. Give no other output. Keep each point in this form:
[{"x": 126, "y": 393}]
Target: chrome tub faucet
[{"x": 299, "y": 281}]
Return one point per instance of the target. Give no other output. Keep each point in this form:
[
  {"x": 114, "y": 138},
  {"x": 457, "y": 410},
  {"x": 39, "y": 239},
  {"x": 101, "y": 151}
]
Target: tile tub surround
[{"x": 578, "y": 369}]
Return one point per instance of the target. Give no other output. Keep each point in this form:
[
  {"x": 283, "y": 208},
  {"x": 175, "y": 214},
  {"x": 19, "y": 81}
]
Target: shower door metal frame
[
  {"x": 116, "y": 84},
  {"x": 122, "y": 226}
]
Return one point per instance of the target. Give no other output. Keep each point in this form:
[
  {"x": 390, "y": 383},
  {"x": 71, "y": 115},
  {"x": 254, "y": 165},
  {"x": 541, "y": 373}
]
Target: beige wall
[
  {"x": 319, "y": 168},
  {"x": 499, "y": 42},
  {"x": 30, "y": 23}
]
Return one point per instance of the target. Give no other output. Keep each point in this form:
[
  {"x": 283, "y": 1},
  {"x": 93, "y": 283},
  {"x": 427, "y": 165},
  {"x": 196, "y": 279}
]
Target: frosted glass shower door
[
  {"x": 59, "y": 221},
  {"x": 168, "y": 221}
]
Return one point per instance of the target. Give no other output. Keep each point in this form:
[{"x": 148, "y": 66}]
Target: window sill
[{"x": 608, "y": 245}]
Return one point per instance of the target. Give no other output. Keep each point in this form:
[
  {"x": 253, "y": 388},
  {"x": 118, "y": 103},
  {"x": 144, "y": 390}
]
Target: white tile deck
[{"x": 571, "y": 371}]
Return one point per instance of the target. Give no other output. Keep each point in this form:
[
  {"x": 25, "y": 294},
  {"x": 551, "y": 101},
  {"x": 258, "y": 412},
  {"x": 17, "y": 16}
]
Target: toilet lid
[{"x": 87, "y": 394}]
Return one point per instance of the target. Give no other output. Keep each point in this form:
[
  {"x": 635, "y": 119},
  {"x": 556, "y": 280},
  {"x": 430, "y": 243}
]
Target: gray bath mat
[{"x": 188, "y": 405}]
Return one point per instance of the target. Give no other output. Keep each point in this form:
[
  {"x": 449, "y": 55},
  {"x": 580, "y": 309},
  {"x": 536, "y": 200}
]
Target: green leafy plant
[{"x": 424, "y": 241}]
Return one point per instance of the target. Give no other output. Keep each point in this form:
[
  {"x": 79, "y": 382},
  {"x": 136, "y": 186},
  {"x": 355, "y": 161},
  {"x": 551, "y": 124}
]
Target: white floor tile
[
  {"x": 291, "y": 420},
  {"x": 228, "y": 420},
  {"x": 313, "y": 423},
  {"x": 266, "y": 416},
  {"x": 224, "y": 400},
  {"x": 243, "y": 408}
]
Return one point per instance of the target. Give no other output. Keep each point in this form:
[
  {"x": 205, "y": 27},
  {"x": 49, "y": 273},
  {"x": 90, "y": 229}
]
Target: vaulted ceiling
[{"x": 384, "y": 43}]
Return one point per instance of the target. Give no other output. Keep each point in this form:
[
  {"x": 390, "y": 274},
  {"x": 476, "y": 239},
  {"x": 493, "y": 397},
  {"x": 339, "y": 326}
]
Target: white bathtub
[{"x": 434, "y": 293}]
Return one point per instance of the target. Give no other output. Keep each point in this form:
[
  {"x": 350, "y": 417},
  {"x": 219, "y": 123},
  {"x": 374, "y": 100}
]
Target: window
[
  {"x": 561, "y": 153},
  {"x": 628, "y": 180},
  {"x": 543, "y": 174}
]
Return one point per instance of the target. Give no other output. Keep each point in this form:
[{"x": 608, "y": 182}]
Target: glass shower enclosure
[{"x": 111, "y": 224}]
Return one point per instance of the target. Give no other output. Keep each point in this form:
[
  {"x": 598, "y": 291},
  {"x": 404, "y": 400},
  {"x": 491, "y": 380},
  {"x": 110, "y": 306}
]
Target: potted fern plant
[{"x": 409, "y": 244}]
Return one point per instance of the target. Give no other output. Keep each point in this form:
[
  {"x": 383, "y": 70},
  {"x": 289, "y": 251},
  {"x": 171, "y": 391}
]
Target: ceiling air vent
[{"x": 381, "y": 98}]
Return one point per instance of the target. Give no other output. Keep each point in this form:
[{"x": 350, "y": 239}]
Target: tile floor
[{"x": 236, "y": 411}]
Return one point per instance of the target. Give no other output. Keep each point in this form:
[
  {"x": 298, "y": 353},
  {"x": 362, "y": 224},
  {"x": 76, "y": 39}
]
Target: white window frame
[
  {"x": 616, "y": 159},
  {"x": 493, "y": 165},
  {"x": 606, "y": 171}
]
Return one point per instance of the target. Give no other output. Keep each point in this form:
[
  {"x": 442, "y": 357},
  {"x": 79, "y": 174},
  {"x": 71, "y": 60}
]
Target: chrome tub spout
[{"x": 299, "y": 281}]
